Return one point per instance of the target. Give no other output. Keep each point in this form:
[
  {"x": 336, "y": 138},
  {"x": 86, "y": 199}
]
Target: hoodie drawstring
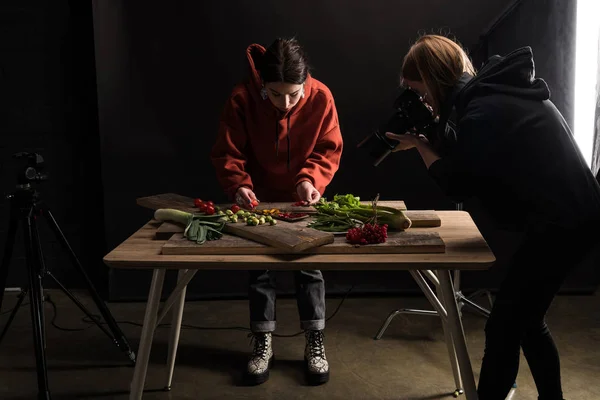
[
  {"x": 276, "y": 139},
  {"x": 289, "y": 143}
]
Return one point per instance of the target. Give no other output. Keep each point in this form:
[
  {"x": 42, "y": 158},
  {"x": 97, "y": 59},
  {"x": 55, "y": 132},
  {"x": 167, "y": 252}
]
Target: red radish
[
  {"x": 198, "y": 202},
  {"x": 235, "y": 208},
  {"x": 210, "y": 210}
]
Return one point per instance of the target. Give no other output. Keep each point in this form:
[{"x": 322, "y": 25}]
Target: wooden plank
[
  {"x": 289, "y": 207},
  {"x": 167, "y": 200},
  {"x": 423, "y": 218},
  {"x": 397, "y": 243},
  {"x": 168, "y": 229},
  {"x": 466, "y": 249},
  {"x": 184, "y": 203},
  {"x": 419, "y": 218},
  {"x": 286, "y": 236}
]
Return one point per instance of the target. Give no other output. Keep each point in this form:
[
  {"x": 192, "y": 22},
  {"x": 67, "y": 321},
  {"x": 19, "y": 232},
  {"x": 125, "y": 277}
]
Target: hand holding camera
[{"x": 406, "y": 141}]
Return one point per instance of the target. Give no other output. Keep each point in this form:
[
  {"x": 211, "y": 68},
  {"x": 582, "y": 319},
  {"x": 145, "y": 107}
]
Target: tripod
[{"x": 25, "y": 208}]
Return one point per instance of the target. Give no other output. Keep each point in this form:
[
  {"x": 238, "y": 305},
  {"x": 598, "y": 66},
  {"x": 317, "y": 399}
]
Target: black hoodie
[{"x": 515, "y": 152}]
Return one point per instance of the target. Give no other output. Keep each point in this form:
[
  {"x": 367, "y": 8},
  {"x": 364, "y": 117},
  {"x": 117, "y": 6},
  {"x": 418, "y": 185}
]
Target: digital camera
[{"x": 412, "y": 115}]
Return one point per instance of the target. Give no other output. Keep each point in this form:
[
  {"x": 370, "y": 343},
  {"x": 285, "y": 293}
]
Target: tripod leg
[
  {"x": 37, "y": 311},
  {"x": 81, "y": 307},
  {"x": 9, "y": 245},
  {"x": 112, "y": 324},
  {"x": 13, "y": 313},
  {"x": 39, "y": 261}
]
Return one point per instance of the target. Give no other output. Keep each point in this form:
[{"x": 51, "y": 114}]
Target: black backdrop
[
  {"x": 164, "y": 74},
  {"x": 122, "y": 99}
]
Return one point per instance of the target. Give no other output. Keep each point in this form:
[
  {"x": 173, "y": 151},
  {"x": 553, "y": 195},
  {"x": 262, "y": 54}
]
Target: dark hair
[{"x": 284, "y": 61}]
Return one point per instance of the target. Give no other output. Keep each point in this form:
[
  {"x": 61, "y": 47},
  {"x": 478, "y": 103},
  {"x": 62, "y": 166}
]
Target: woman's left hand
[
  {"x": 406, "y": 141},
  {"x": 307, "y": 193}
]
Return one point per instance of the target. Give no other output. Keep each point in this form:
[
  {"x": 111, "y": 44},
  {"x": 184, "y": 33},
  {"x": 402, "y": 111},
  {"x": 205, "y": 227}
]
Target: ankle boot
[
  {"x": 316, "y": 365},
  {"x": 261, "y": 360}
]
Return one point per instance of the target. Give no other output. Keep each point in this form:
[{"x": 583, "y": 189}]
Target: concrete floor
[{"x": 410, "y": 362}]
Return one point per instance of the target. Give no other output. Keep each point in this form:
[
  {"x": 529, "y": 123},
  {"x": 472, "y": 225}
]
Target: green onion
[{"x": 198, "y": 227}]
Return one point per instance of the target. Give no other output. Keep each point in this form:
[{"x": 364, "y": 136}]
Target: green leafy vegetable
[
  {"x": 349, "y": 206},
  {"x": 332, "y": 223},
  {"x": 198, "y": 227}
]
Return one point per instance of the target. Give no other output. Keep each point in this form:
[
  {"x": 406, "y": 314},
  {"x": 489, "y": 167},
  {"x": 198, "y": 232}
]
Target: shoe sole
[
  {"x": 257, "y": 379},
  {"x": 315, "y": 379}
]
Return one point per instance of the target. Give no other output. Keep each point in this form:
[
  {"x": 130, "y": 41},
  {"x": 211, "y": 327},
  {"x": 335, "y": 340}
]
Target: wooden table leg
[
  {"x": 175, "y": 330},
  {"x": 143, "y": 355},
  {"x": 458, "y": 335}
]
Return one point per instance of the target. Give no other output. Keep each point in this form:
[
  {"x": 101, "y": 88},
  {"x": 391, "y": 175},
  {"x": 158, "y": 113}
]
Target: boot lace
[
  {"x": 315, "y": 344},
  {"x": 260, "y": 344}
]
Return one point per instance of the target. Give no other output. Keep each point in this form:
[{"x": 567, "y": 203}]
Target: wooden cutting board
[
  {"x": 184, "y": 203},
  {"x": 397, "y": 242},
  {"x": 419, "y": 218},
  {"x": 291, "y": 208},
  {"x": 286, "y": 236}
]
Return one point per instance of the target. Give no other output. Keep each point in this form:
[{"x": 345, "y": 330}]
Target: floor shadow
[
  {"x": 227, "y": 361},
  {"x": 293, "y": 369},
  {"x": 66, "y": 367},
  {"x": 109, "y": 394},
  {"x": 433, "y": 397}
]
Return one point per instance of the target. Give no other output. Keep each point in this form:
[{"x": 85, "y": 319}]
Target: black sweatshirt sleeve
[{"x": 461, "y": 173}]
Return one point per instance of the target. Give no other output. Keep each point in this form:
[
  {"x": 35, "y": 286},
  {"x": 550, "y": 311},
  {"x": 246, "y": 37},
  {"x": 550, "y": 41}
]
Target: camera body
[
  {"x": 32, "y": 171},
  {"x": 411, "y": 116}
]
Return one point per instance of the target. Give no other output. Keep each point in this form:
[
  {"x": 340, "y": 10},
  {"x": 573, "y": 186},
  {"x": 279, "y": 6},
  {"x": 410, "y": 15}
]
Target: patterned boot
[
  {"x": 261, "y": 360},
  {"x": 316, "y": 365}
]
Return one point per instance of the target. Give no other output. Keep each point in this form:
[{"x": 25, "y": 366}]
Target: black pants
[{"x": 517, "y": 320}]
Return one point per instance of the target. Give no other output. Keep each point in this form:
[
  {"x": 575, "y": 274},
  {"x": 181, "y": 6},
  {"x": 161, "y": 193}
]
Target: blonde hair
[{"x": 438, "y": 62}]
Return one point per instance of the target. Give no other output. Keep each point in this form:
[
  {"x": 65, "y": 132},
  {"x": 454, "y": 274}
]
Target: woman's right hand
[{"x": 246, "y": 198}]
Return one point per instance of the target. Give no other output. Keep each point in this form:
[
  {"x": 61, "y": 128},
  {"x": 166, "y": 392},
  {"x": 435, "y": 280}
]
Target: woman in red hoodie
[{"x": 279, "y": 140}]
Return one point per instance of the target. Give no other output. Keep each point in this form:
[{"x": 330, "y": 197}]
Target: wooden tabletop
[{"x": 465, "y": 250}]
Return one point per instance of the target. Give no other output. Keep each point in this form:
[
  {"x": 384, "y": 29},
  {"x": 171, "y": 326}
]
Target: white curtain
[{"x": 596, "y": 153}]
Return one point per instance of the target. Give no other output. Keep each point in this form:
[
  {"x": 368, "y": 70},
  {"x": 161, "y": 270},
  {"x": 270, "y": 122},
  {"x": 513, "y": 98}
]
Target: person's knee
[
  {"x": 501, "y": 330},
  {"x": 259, "y": 276},
  {"x": 309, "y": 276},
  {"x": 535, "y": 329},
  {"x": 504, "y": 329}
]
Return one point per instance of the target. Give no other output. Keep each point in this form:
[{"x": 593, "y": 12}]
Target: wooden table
[{"x": 466, "y": 250}]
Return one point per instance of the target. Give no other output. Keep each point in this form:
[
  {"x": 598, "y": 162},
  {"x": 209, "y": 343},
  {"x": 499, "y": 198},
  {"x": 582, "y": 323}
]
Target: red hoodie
[{"x": 270, "y": 152}]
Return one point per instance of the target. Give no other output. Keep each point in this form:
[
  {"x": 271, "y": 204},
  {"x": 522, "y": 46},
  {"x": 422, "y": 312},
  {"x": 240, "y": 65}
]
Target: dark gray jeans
[{"x": 310, "y": 296}]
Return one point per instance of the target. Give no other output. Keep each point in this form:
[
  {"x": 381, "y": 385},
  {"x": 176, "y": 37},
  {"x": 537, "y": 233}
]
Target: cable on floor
[{"x": 98, "y": 319}]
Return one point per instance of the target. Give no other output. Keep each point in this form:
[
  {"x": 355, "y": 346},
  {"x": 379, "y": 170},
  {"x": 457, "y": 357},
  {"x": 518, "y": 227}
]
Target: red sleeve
[
  {"x": 324, "y": 161},
  {"x": 227, "y": 154}
]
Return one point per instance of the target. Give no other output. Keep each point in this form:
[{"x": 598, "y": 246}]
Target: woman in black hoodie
[{"x": 511, "y": 149}]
